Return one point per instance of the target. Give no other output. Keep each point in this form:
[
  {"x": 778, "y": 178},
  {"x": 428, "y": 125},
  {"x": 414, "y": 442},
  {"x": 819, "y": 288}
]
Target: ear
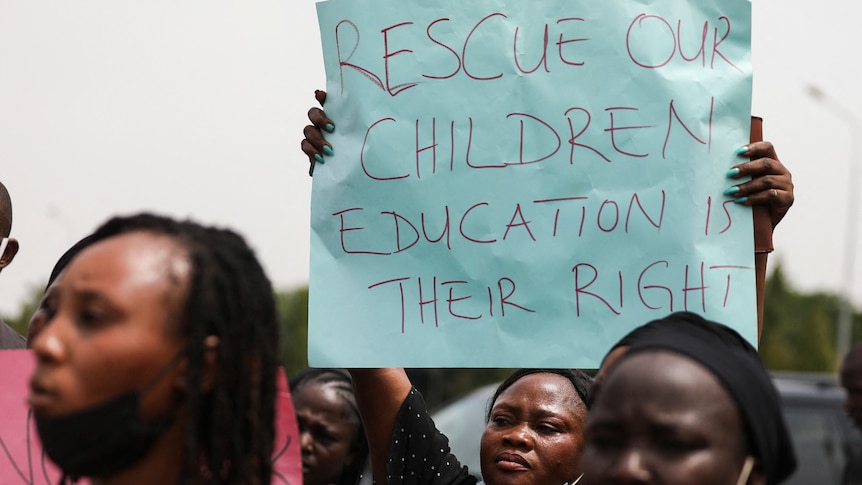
[
  {"x": 210, "y": 362},
  {"x": 10, "y": 252}
]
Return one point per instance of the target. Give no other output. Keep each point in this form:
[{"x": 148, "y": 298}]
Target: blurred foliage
[
  {"x": 293, "y": 318},
  {"x": 20, "y": 321},
  {"x": 799, "y": 328}
]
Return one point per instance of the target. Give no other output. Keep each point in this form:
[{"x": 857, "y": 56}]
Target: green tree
[
  {"x": 21, "y": 320},
  {"x": 293, "y": 320},
  {"x": 799, "y": 328}
]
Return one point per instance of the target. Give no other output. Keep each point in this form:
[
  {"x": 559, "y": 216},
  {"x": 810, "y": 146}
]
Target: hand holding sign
[{"x": 531, "y": 205}]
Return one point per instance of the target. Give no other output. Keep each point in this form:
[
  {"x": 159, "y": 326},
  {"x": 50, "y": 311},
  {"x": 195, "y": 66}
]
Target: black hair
[
  {"x": 5, "y": 211},
  {"x": 344, "y": 385},
  {"x": 66, "y": 258},
  {"x": 579, "y": 379},
  {"x": 229, "y": 431}
]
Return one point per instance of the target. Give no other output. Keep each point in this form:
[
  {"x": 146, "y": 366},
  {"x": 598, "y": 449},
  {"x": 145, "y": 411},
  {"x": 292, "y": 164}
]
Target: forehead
[
  {"x": 540, "y": 391},
  {"x": 130, "y": 261},
  {"x": 322, "y": 398},
  {"x": 663, "y": 384}
]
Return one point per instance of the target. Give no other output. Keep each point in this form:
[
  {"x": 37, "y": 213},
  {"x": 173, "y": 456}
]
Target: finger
[
  {"x": 320, "y": 96},
  {"x": 778, "y": 201},
  {"x": 315, "y": 138},
  {"x": 310, "y": 150},
  {"x": 319, "y": 119},
  {"x": 762, "y": 183},
  {"x": 759, "y": 167},
  {"x": 760, "y": 149}
]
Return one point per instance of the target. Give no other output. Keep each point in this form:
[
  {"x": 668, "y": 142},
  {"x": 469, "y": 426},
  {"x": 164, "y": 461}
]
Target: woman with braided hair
[
  {"x": 331, "y": 437},
  {"x": 157, "y": 360}
]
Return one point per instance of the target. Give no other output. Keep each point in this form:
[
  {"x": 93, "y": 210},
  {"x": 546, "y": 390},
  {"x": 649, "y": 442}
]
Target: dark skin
[
  {"x": 327, "y": 432},
  {"x": 663, "y": 419},
  {"x": 534, "y": 419}
]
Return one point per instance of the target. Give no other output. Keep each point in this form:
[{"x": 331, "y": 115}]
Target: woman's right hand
[{"x": 314, "y": 145}]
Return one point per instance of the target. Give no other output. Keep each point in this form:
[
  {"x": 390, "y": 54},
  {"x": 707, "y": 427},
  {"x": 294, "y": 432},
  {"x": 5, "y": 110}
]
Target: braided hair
[
  {"x": 229, "y": 432},
  {"x": 343, "y": 384}
]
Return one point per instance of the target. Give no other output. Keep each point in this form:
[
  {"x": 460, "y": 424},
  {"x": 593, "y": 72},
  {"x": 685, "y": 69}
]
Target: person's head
[
  {"x": 160, "y": 342},
  {"x": 534, "y": 431},
  {"x": 851, "y": 381},
  {"x": 40, "y": 316},
  {"x": 331, "y": 437},
  {"x": 689, "y": 403},
  {"x": 8, "y": 245}
]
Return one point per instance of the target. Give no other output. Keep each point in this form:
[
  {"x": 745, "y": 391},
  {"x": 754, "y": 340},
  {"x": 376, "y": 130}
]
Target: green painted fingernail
[
  {"x": 329, "y": 127},
  {"x": 731, "y": 190},
  {"x": 741, "y": 200},
  {"x": 328, "y": 150},
  {"x": 733, "y": 172},
  {"x": 318, "y": 158},
  {"x": 742, "y": 150}
]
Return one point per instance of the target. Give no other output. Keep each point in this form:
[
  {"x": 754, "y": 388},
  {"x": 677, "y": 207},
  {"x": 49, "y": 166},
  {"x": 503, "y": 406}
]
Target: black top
[
  {"x": 10, "y": 339},
  {"x": 419, "y": 454}
]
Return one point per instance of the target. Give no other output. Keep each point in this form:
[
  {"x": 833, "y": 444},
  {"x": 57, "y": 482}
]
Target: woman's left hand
[{"x": 770, "y": 185}]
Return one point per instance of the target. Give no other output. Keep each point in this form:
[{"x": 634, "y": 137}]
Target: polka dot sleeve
[{"x": 419, "y": 454}]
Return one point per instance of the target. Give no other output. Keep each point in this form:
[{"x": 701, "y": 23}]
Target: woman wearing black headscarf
[{"x": 686, "y": 401}]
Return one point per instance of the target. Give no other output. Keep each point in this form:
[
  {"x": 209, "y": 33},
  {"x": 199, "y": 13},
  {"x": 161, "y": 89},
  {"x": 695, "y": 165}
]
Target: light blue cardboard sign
[{"x": 519, "y": 184}]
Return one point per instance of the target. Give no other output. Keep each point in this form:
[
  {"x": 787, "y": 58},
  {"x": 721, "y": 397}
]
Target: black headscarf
[
  {"x": 738, "y": 367},
  {"x": 66, "y": 258}
]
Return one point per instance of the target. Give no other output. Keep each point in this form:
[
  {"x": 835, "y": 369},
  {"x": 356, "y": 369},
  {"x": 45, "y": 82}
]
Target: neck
[{"x": 162, "y": 464}]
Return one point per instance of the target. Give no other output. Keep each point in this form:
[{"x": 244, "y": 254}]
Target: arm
[{"x": 379, "y": 395}]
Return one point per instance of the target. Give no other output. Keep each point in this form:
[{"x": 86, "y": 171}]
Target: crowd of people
[{"x": 156, "y": 348}]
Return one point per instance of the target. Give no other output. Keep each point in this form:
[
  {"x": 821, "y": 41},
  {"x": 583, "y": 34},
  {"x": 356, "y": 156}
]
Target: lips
[
  {"x": 41, "y": 397},
  {"x": 509, "y": 461}
]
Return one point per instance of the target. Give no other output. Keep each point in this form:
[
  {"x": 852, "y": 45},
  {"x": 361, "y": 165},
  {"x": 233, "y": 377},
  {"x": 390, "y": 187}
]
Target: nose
[
  {"x": 306, "y": 442},
  {"x": 518, "y": 436},
  {"x": 631, "y": 468},
  {"x": 48, "y": 345}
]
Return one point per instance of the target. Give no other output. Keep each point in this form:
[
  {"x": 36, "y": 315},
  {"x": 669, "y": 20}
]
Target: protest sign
[
  {"x": 23, "y": 462},
  {"x": 519, "y": 184}
]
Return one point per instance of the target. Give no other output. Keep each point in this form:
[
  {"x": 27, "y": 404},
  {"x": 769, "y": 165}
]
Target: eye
[
  {"x": 93, "y": 317},
  {"x": 324, "y": 438},
  {"x": 548, "y": 428},
  {"x": 48, "y": 308},
  {"x": 500, "y": 420},
  {"x": 605, "y": 441},
  {"x": 673, "y": 445}
]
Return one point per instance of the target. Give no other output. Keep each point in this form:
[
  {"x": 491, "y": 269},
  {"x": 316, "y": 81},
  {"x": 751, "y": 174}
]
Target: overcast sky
[{"x": 196, "y": 107}]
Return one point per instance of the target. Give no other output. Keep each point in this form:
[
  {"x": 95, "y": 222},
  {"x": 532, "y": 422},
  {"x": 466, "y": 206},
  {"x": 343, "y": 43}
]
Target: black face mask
[{"x": 102, "y": 439}]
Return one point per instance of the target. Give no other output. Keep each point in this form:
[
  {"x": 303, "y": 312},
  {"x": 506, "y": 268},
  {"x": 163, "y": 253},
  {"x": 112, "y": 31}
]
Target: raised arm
[{"x": 379, "y": 395}]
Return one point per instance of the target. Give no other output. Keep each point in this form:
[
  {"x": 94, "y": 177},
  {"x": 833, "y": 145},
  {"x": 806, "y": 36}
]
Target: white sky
[{"x": 196, "y": 107}]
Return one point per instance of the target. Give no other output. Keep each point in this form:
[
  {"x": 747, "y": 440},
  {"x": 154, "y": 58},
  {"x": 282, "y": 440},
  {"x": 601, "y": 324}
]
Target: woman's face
[
  {"x": 109, "y": 327},
  {"x": 534, "y": 434},
  {"x": 327, "y": 432},
  {"x": 661, "y": 418},
  {"x": 42, "y": 314}
]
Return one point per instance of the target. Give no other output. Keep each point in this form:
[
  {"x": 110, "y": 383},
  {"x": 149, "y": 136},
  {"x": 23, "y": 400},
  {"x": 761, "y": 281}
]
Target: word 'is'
[{"x": 543, "y": 219}]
